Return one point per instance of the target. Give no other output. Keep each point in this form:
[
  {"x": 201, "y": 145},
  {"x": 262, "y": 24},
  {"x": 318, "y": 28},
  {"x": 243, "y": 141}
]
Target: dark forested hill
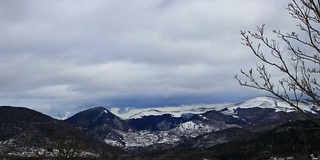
[
  {"x": 25, "y": 132},
  {"x": 293, "y": 140}
]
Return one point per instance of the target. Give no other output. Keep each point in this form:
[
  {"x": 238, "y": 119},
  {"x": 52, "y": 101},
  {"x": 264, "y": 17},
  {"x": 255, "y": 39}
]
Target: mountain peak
[
  {"x": 90, "y": 116},
  {"x": 96, "y": 112},
  {"x": 99, "y": 109},
  {"x": 97, "y": 117}
]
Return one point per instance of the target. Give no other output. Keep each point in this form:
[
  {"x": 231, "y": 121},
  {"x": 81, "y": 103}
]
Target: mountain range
[
  {"x": 200, "y": 131},
  {"x": 152, "y": 128}
]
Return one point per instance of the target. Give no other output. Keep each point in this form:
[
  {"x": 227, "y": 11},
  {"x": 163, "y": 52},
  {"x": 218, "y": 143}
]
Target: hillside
[
  {"x": 292, "y": 140},
  {"x": 28, "y": 133}
]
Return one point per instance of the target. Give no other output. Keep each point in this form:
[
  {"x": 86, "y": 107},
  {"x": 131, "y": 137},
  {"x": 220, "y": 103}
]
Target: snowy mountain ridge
[
  {"x": 272, "y": 103},
  {"x": 260, "y": 102},
  {"x": 178, "y": 111}
]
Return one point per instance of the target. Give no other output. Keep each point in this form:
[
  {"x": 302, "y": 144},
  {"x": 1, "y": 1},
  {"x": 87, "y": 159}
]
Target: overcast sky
[{"x": 64, "y": 56}]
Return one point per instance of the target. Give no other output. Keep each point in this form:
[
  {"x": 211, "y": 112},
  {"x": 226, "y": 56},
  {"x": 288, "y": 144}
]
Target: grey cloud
[{"x": 64, "y": 55}]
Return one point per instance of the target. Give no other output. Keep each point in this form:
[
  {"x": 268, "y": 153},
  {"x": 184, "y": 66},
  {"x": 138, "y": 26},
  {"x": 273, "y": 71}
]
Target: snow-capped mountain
[
  {"x": 260, "y": 102},
  {"x": 272, "y": 103},
  {"x": 154, "y": 128}
]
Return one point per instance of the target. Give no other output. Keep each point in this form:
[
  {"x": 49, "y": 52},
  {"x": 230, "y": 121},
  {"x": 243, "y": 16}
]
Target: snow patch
[
  {"x": 146, "y": 138},
  {"x": 113, "y": 142},
  {"x": 192, "y": 129}
]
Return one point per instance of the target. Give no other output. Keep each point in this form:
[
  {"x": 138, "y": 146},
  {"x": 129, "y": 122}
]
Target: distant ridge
[{"x": 261, "y": 102}]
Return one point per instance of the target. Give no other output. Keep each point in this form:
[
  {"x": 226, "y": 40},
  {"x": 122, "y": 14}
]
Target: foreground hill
[
  {"x": 28, "y": 133},
  {"x": 293, "y": 140}
]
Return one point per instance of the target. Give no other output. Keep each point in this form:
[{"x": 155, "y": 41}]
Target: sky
[{"x": 59, "y": 57}]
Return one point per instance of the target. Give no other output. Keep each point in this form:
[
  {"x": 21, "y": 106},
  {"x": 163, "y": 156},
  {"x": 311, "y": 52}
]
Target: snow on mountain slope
[
  {"x": 179, "y": 110},
  {"x": 150, "y": 112},
  {"x": 146, "y": 138},
  {"x": 267, "y": 102},
  {"x": 192, "y": 129}
]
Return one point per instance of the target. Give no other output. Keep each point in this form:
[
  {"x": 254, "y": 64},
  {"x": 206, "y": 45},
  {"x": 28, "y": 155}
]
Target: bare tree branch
[{"x": 299, "y": 62}]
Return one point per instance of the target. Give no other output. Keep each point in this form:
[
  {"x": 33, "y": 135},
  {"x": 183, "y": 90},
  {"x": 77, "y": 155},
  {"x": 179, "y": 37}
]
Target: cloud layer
[{"x": 63, "y": 56}]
